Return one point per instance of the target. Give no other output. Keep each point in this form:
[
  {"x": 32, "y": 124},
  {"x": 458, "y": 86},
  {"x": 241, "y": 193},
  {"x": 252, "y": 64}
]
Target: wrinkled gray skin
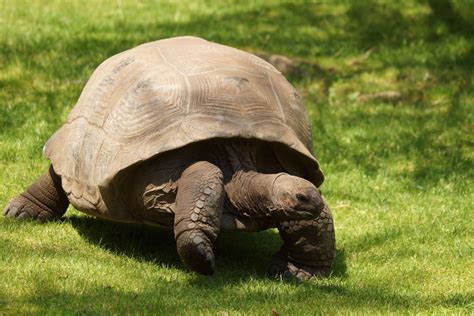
[{"x": 214, "y": 185}]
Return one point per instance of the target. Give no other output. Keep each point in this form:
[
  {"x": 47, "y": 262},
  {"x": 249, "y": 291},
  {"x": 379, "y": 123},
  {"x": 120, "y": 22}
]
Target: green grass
[{"x": 399, "y": 169}]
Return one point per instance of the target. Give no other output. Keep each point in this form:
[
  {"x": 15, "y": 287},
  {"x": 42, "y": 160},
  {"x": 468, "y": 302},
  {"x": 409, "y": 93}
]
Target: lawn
[{"x": 390, "y": 91}]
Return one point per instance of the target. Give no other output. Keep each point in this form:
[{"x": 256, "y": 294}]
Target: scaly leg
[
  {"x": 199, "y": 203},
  {"x": 309, "y": 248},
  {"x": 42, "y": 201}
]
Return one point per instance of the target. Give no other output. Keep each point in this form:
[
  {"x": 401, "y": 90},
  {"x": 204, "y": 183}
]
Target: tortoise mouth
[
  {"x": 311, "y": 211},
  {"x": 310, "y": 201}
]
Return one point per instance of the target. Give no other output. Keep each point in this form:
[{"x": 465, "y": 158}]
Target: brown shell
[{"x": 163, "y": 95}]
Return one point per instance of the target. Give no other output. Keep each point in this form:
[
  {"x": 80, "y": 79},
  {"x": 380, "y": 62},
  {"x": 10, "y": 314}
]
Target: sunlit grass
[{"x": 389, "y": 88}]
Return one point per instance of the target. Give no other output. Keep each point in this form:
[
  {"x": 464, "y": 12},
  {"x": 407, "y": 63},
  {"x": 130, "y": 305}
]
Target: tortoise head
[{"x": 297, "y": 197}]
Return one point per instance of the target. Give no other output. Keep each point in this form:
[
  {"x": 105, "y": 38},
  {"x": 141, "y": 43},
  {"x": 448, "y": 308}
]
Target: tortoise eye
[{"x": 302, "y": 198}]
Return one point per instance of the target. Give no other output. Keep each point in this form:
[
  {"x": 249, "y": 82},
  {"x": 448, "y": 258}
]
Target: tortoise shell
[{"x": 163, "y": 95}]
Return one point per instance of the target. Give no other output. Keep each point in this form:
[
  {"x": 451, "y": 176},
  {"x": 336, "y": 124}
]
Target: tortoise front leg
[
  {"x": 198, "y": 211},
  {"x": 43, "y": 201},
  {"x": 309, "y": 247}
]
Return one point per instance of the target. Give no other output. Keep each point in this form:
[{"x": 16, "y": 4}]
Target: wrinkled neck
[{"x": 251, "y": 193}]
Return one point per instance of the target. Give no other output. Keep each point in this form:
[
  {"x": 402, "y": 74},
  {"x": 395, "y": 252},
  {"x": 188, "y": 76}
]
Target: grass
[{"x": 390, "y": 91}]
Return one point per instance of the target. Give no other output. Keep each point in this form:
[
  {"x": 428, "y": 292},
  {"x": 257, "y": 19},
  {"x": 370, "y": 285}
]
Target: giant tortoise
[{"x": 191, "y": 135}]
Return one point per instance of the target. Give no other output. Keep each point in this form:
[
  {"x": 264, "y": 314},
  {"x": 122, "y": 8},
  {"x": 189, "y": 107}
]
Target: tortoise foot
[
  {"x": 196, "y": 251},
  {"x": 281, "y": 267},
  {"x": 22, "y": 208},
  {"x": 43, "y": 201}
]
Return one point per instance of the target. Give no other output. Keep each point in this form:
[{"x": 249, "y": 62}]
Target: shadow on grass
[
  {"x": 366, "y": 24},
  {"x": 134, "y": 241},
  {"x": 239, "y": 255},
  {"x": 444, "y": 11}
]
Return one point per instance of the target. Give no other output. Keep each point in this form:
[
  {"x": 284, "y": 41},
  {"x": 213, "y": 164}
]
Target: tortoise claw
[
  {"x": 195, "y": 250},
  {"x": 280, "y": 267}
]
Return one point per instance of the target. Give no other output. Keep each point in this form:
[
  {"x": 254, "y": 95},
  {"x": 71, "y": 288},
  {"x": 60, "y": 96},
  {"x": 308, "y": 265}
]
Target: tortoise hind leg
[
  {"x": 198, "y": 213},
  {"x": 43, "y": 201},
  {"x": 308, "y": 250}
]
